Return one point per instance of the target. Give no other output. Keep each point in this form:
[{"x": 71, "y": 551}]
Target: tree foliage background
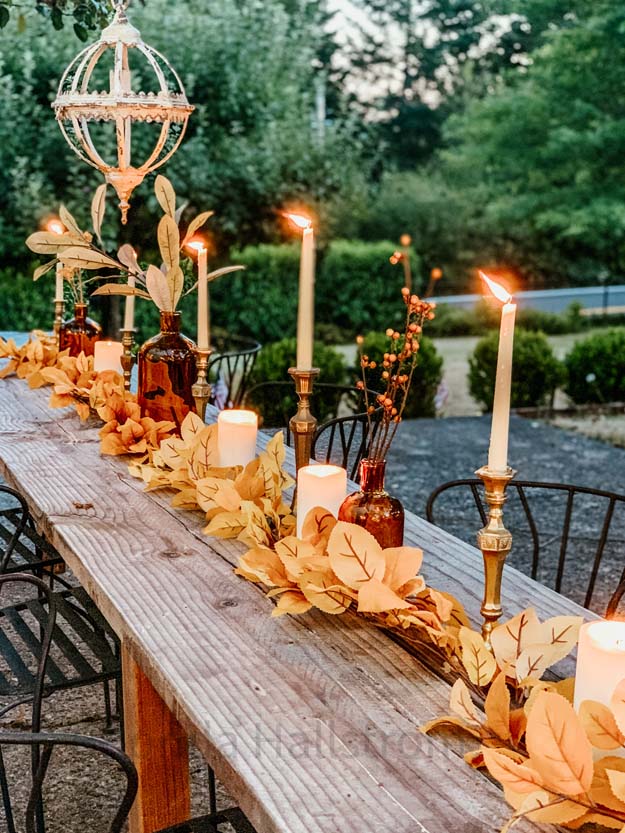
[{"x": 490, "y": 130}]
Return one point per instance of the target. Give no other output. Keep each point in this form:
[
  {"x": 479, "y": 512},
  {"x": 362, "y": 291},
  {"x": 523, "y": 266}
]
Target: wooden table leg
[{"x": 159, "y": 748}]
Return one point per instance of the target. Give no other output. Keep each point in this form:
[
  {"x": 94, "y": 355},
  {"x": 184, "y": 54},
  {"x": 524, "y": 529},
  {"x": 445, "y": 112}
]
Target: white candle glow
[
  {"x": 498, "y": 451},
  {"x": 319, "y": 485},
  {"x": 108, "y": 356},
  {"x": 203, "y": 309},
  {"x": 236, "y": 437},
  {"x": 600, "y": 661},
  {"x": 306, "y": 305}
]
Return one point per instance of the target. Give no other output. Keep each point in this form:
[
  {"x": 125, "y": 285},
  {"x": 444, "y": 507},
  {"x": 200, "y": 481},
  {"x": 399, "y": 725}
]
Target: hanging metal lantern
[{"x": 115, "y": 61}]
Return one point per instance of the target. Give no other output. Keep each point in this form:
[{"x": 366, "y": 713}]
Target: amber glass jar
[
  {"x": 167, "y": 371},
  {"x": 373, "y": 508},
  {"x": 80, "y": 333}
]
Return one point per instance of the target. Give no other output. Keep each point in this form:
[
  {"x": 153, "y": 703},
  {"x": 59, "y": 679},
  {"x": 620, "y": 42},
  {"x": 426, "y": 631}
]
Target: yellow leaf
[
  {"x": 40, "y": 271},
  {"x": 68, "y": 221},
  {"x": 600, "y": 725},
  {"x": 509, "y": 639},
  {"x": 82, "y": 257},
  {"x": 98, "y": 207},
  {"x": 617, "y": 704},
  {"x": 566, "y": 688},
  {"x": 474, "y": 758},
  {"x": 562, "y": 633},
  {"x": 175, "y": 279},
  {"x": 264, "y": 566},
  {"x": 322, "y": 591},
  {"x": 48, "y": 243},
  {"x": 375, "y": 597},
  {"x": 520, "y": 777},
  {"x": 195, "y": 224},
  {"x": 169, "y": 242},
  {"x": 535, "y": 660},
  {"x": 542, "y": 806},
  {"x": 402, "y": 565},
  {"x": 213, "y": 491},
  {"x": 616, "y": 779},
  {"x": 191, "y": 427},
  {"x": 450, "y": 720},
  {"x": 355, "y": 555},
  {"x": 476, "y": 658},
  {"x": 158, "y": 288},
  {"x": 558, "y": 746},
  {"x": 185, "y": 499},
  {"x": 460, "y": 702},
  {"x": 227, "y": 525},
  {"x": 171, "y": 452},
  {"x": 497, "y": 707},
  {"x": 318, "y": 526},
  {"x": 165, "y": 195},
  {"x": 291, "y": 602},
  {"x": 601, "y": 792}
]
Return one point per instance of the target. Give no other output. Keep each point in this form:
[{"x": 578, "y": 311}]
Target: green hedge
[
  {"x": 357, "y": 290},
  {"x": 536, "y": 372},
  {"x": 425, "y": 381},
  {"x": 596, "y": 368},
  {"x": 452, "y": 321}
]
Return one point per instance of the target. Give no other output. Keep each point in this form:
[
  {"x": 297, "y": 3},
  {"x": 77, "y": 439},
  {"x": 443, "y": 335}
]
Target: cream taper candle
[
  {"x": 108, "y": 356},
  {"x": 319, "y": 485},
  {"x": 306, "y": 303},
  {"x": 500, "y": 426},
  {"x": 203, "y": 313},
  {"x": 58, "y": 294},
  {"x": 129, "y": 309},
  {"x": 236, "y": 437},
  {"x": 600, "y": 661}
]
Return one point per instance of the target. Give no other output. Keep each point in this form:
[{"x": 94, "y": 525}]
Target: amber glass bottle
[
  {"x": 80, "y": 333},
  {"x": 373, "y": 508},
  {"x": 167, "y": 371}
]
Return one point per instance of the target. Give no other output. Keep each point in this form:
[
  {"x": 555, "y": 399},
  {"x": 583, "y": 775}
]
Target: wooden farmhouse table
[{"x": 310, "y": 722}]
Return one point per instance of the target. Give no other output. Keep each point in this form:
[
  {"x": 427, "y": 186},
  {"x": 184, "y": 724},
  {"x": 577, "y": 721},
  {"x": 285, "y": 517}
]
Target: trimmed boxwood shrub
[
  {"x": 425, "y": 381},
  {"x": 536, "y": 372},
  {"x": 596, "y": 368},
  {"x": 274, "y": 404}
]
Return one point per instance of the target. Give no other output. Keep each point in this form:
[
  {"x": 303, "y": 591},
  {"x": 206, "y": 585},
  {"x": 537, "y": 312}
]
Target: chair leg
[
  {"x": 108, "y": 729},
  {"x": 119, "y": 702},
  {"x": 6, "y": 800},
  {"x": 212, "y": 791}
]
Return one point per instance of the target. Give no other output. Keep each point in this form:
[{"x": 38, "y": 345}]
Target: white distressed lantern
[{"x": 79, "y": 105}]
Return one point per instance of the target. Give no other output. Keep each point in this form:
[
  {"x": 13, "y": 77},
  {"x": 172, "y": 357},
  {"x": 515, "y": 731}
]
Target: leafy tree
[
  {"x": 541, "y": 161},
  {"x": 84, "y": 14}
]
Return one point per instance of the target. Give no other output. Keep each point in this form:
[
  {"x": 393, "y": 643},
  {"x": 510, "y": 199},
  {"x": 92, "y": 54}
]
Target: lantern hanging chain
[{"x": 119, "y": 7}]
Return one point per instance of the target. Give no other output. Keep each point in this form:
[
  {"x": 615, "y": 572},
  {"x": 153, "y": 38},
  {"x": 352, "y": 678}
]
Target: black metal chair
[
  {"x": 234, "y": 820},
  {"x": 230, "y": 367},
  {"x": 554, "y": 526},
  {"x": 342, "y": 439},
  {"x": 85, "y": 649}
]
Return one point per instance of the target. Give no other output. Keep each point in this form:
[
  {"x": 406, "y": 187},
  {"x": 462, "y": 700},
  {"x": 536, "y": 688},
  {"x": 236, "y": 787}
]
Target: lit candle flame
[
  {"x": 197, "y": 244},
  {"x": 498, "y": 291},
  {"x": 55, "y": 226},
  {"x": 299, "y": 220}
]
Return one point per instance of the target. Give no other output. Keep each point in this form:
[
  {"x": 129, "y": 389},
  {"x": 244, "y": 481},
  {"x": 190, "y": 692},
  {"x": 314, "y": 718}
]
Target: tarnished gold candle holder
[
  {"x": 201, "y": 390},
  {"x": 495, "y": 542},
  {"x": 59, "y": 312},
  {"x": 303, "y": 425},
  {"x": 128, "y": 359}
]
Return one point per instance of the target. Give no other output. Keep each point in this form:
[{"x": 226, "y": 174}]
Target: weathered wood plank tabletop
[{"x": 311, "y": 723}]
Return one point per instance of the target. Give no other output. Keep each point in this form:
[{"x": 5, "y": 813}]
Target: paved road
[{"x": 552, "y": 300}]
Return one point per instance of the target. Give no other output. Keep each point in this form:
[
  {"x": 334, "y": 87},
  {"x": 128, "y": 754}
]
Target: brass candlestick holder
[
  {"x": 128, "y": 359},
  {"x": 495, "y": 542},
  {"x": 59, "y": 313},
  {"x": 303, "y": 425},
  {"x": 201, "y": 390}
]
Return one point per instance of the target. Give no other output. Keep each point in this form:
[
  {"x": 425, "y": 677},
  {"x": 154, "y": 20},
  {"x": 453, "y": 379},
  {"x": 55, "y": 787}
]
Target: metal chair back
[
  {"x": 554, "y": 526},
  {"x": 229, "y": 369},
  {"x": 43, "y": 745}
]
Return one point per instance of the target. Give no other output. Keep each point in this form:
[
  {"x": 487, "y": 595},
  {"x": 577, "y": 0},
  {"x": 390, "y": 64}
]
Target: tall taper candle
[
  {"x": 129, "y": 309},
  {"x": 498, "y": 451},
  {"x": 306, "y": 308},
  {"x": 203, "y": 313},
  {"x": 58, "y": 295}
]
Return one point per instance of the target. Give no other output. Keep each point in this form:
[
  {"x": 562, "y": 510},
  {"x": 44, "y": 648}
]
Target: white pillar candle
[
  {"x": 203, "y": 313},
  {"x": 500, "y": 427},
  {"x": 236, "y": 437},
  {"x": 58, "y": 295},
  {"x": 319, "y": 485},
  {"x": 600, "y": 661},
  {"x": 306, "y": 307},
  {"x": 108, "y": 356},
  {"x": 129, "y": 309}
]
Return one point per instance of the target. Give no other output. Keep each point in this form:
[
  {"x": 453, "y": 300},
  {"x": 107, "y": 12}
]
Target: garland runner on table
[{"x": 531, "y": 740}]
